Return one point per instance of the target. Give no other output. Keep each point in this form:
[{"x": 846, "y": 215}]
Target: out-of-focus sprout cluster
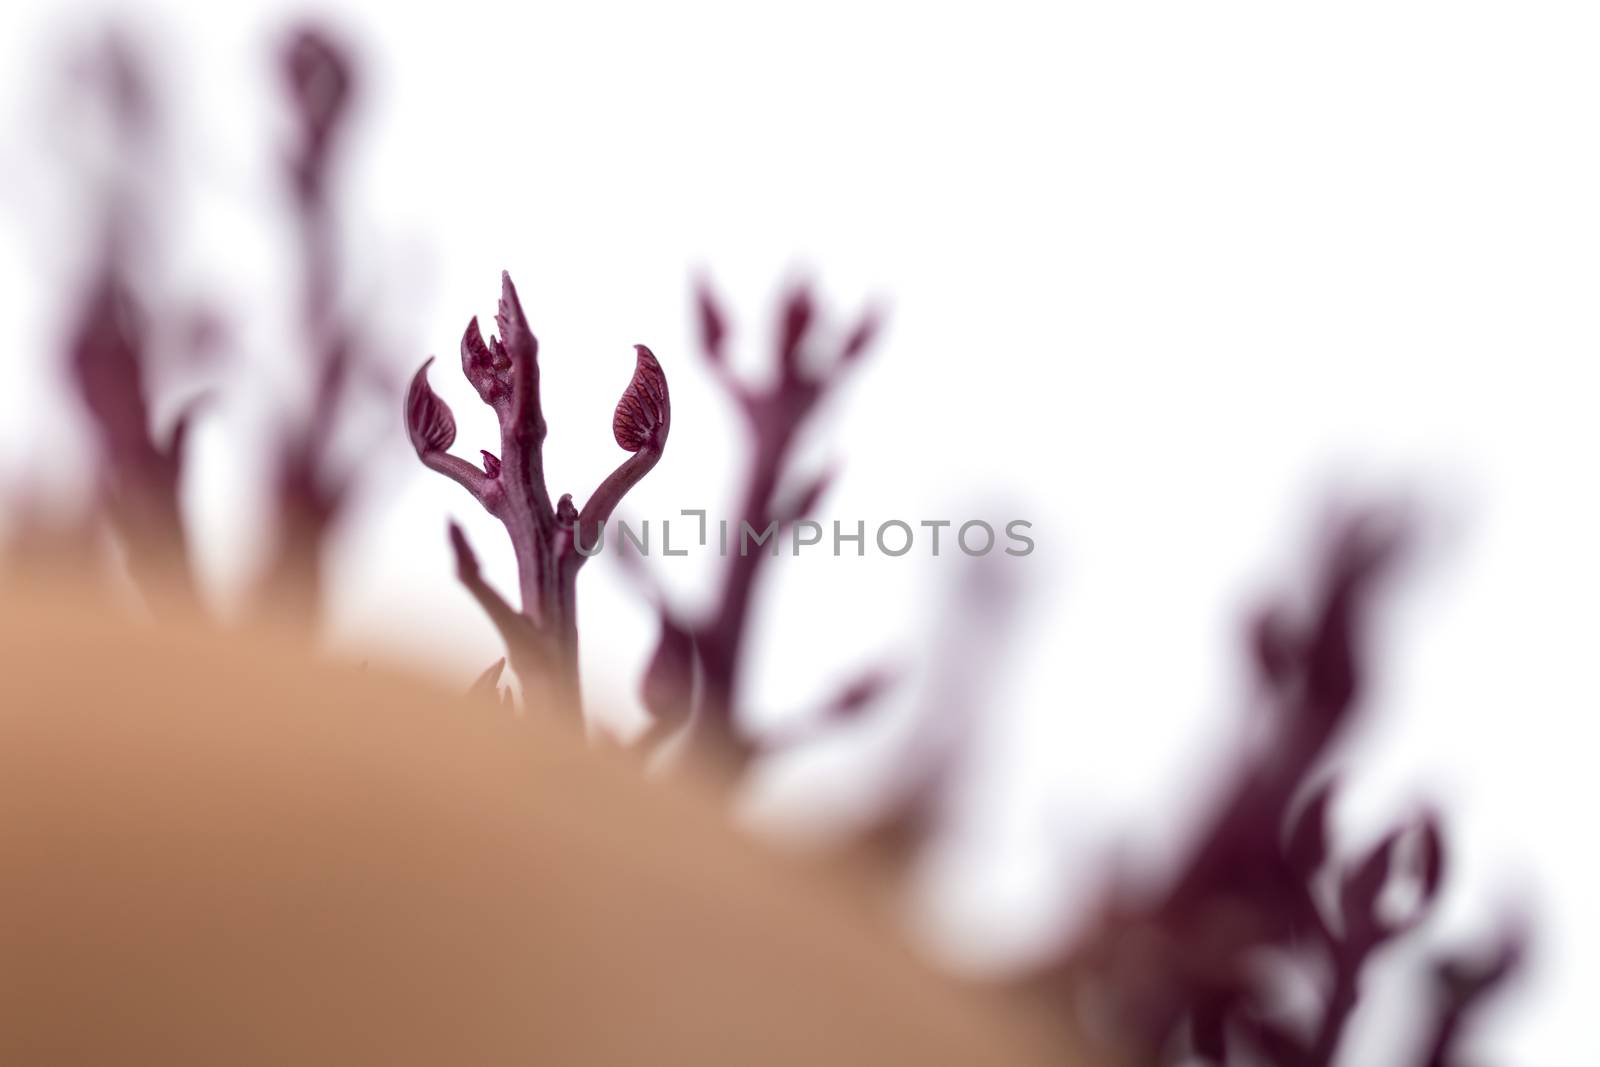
[{"x": 1164, "y": 975}]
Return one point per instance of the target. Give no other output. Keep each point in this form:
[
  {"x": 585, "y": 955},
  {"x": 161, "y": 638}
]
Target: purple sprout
[
  {"x": 109, "y": 355},
  {"x": 309, "y": 496},
  {"x": 140, "y": 475},
  {"x": 1177, "y": 974},
  {"x": 551, "y": 543},
  {"x": 112, "y": 355},
  {"x": 694, "y": 675}
]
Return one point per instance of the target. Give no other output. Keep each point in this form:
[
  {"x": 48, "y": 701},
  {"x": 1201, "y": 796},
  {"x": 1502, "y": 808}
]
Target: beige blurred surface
[{"x": 214, "y": 851}]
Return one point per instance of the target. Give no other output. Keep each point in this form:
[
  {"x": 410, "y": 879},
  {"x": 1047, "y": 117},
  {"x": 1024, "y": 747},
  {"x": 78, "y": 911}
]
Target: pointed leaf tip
[
  {"x": 428, "y": 419},
  {"x": 645, "y": 410},
  {"x": 1359, "y": 893},
  {"x": 713, "y": 326},
  {"x": 1307, "y": 846},
  {"x": 488, "y": 683},
  {"x": 796, "y": 321},
  {"x": 1275, "y": 647},
  {"x": 466, "y": 559},
  {"x": 517, "y": 350},
  {"x": 487, "y": 368},
  {"x": 512, "y": 323},
  {"x": 1432, "y": 859},
  {"x": 860, "y": 694},
  {"x": 862, "y": 336},
  {"x": 812, "y": 494},
  {"x": 667, "y": 688},
  {"x": 177, "y": 444}
]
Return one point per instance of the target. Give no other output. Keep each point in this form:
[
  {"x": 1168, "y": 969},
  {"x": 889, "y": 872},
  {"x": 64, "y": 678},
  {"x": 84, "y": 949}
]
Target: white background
[{"x": 1162, "y": 278}]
